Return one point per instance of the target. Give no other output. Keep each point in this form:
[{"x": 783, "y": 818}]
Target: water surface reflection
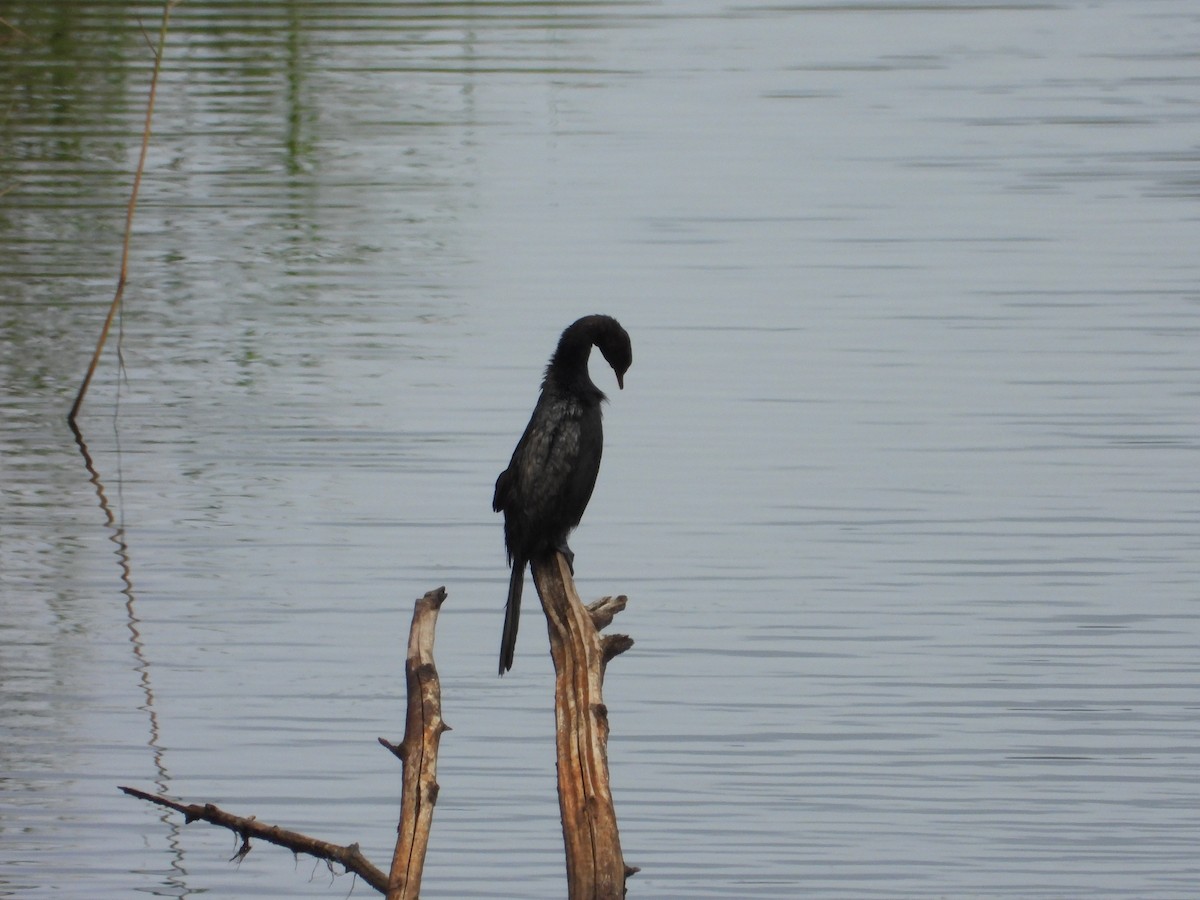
[{"x": 901, "y": 486}]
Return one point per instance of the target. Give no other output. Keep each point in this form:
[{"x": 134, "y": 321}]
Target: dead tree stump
[
  {"x": 423, "y": 731},
  {"x": 596, "y": 869}
]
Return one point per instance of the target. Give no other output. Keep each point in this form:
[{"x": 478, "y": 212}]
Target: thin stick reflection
[{"x": 175, "y": 878}]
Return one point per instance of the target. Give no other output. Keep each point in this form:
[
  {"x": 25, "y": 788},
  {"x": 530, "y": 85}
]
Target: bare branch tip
[
  {"x": 397, "y": 750},
  {"x": 613, "y": 645}
]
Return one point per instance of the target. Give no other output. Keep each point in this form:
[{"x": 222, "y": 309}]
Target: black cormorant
[{"x": 549, "y": 480}]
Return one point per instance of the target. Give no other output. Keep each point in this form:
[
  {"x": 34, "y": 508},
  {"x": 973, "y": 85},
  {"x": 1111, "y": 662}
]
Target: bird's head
[{"x": 614, "y": 345}]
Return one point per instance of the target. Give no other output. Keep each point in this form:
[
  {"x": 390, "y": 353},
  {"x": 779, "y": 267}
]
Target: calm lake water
[{"x": 902, "y": 486}]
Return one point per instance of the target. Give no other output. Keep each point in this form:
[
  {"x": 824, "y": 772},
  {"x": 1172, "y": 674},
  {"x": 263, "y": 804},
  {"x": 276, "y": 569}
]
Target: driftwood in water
[
  {"x": 596, "y": 869},
  {"x": 418, "y": 752}
]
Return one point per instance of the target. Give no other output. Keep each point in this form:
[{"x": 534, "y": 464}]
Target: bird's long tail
[{"x": 512, "y": 615}]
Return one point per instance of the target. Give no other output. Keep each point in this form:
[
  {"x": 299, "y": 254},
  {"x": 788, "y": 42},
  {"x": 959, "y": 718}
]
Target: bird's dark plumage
[{"x": 549, "y": 480}]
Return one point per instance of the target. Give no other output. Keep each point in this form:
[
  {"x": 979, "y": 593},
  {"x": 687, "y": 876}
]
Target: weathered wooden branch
[
  {"x": 247, "y": 827},
  {"x": 596, "y": 869},
  {"x": 418, "y": 752}
]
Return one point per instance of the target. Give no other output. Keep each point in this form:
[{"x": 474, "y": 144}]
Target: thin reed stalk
[{"x": 115, "y": 306}]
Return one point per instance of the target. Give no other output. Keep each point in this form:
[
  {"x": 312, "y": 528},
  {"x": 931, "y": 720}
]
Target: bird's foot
[{"x": 569, "y": 554}]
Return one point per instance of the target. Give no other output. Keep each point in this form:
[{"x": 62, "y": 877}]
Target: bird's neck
[{"x": 569, "y": 375}]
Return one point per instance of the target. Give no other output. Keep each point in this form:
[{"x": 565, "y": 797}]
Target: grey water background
[{"x": 902, "y": 486}]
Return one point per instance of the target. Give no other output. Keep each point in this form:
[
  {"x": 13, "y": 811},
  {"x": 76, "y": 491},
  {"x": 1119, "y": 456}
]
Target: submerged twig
[{"x": 129, "y": 212}]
